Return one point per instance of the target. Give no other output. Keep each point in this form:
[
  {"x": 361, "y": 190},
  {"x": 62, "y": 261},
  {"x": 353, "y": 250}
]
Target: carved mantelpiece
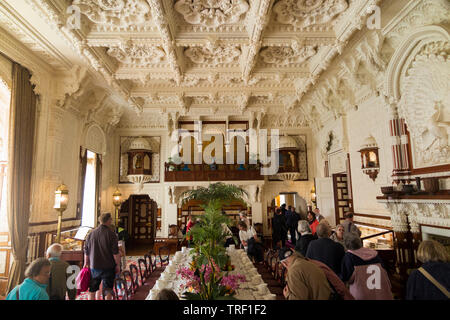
[{"x": 408, "y": 212}]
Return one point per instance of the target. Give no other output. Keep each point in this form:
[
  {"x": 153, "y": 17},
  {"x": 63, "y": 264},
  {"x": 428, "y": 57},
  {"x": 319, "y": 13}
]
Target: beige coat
[{"x": 306, "y": 281}]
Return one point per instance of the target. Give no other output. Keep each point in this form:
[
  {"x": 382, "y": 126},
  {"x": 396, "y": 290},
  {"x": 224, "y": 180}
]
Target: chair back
[
  {"x": 135, "y": 274},
  {"x": 152, "y": 256},
  {"x": 143, "y": 269},
  {"x": 121, "y": 289},
  {"x": 164, "y": 255},
  {"x": 128, "y": 277},
  {"x": 148, "y": 262}
]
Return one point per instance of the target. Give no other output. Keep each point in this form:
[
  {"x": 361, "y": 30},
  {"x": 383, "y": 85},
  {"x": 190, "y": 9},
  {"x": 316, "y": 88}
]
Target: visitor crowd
[{"x": 321, "y": 264}]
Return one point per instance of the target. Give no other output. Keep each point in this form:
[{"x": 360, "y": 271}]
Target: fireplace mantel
[{"x": 409, "y": 212}]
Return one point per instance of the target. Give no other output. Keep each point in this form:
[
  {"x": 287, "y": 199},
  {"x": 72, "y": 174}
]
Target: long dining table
[{"x": 254, "y": 288}]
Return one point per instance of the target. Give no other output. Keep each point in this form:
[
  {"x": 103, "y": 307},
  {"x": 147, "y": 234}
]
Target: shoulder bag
[{"x": 435, "y": 282}]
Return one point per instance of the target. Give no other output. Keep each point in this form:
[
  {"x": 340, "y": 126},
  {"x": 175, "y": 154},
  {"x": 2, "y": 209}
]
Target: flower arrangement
[
  {"x": 207, "y": 283},
  {"x": 204, "y": 277}
]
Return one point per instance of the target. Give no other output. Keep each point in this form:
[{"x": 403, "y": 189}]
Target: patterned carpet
[{"x": 130, "y": 260}]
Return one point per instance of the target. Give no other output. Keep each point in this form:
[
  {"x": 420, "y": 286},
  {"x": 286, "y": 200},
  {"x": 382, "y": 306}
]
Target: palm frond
[{"x": 225, "y": 193}]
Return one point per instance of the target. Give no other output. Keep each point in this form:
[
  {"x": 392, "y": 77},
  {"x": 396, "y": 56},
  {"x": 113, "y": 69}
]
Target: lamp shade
[
  {"x": 117, "y": 198},
  {"x": 61, "y": 198}
]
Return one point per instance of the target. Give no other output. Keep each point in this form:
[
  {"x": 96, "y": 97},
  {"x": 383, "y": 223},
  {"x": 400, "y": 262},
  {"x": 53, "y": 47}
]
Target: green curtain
[{"x": 21, "y": 141}]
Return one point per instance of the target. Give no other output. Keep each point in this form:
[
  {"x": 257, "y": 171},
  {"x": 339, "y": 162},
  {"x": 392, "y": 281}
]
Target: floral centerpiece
[
  {"x": 208, "y": 283},
  {"x": 207, "y": 278}
]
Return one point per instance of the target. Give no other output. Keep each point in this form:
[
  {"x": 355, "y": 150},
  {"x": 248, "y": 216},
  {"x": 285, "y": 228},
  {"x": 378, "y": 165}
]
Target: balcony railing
[{"x": 204, "y": 172}]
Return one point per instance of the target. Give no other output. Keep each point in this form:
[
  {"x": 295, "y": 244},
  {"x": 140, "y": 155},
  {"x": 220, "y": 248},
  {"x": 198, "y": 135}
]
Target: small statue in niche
[
  {"x": 291, "y": 155},
  {"x": 138, "y": 162},
  {"x": 146, "y": 162}
]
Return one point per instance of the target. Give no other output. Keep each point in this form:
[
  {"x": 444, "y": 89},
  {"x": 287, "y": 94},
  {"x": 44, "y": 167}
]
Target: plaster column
[
  {"x": 170, "y": 212},
  {"x": 257, "y": 212},
  {"x": 400, "y": 144}
]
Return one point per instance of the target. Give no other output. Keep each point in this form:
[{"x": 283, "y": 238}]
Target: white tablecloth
[{"x": 253, "y": 289}]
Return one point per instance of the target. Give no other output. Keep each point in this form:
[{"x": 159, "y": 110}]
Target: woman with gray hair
[
  {"x": 305, "y": 237},
  {"x": 57, "y": 286},
  {"x": 363, "y": 270},
  {"x": 35, "y": 285}
]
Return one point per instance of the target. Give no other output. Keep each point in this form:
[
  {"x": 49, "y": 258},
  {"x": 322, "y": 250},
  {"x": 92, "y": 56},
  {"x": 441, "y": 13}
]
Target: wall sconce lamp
[
  {"x": 61, "y": 201},
  {"x": 370, "y": 161},
  {"x": 313, "y": 195},
  {"x": 117, "y": 201}
]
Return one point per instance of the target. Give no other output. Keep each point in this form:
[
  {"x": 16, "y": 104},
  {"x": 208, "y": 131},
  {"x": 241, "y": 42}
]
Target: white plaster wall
[{"x": 371, "y": 119}]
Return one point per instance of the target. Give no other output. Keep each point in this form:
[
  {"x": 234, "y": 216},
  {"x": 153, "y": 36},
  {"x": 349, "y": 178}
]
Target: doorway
[
  {"x": 343, "y": 202},
  {"x": 138, "y": 217}
]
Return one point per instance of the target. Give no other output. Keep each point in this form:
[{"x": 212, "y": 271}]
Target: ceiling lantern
[
  {"x": 139, "y": 162},
  {"x": 288, "y": 159}
]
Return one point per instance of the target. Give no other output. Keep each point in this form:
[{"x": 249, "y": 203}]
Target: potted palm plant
[{"x": 208, "y": 234}]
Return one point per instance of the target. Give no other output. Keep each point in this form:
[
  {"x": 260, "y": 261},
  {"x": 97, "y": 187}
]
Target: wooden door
[
  {"x": 325, "y": 198},
  {"x": 343, "y": 202},
  {"x": 142, "y": 219}
]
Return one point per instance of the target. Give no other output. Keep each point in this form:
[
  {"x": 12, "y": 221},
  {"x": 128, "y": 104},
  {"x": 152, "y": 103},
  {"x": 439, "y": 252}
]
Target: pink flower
[{"x": 232, "y": 281}]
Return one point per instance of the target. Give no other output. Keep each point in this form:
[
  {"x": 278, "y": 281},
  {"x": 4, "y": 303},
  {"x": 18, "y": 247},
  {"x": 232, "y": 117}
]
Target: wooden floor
[{"x": 138, "y": 250}]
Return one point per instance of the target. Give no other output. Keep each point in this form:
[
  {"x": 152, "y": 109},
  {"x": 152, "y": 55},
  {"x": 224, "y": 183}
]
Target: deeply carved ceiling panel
[
  {"x": 287, "y": 55},
  {"x": 241, "y": 53},
  {"x": 138, "y": 55},
  {"x": 212, "y": 13},
  {"x": 303, "y": 13},
  {"x": 122, "y": 13},
  {"x": 213, "y": 56}
]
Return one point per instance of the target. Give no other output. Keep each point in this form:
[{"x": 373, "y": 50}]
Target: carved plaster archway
[
  {"x": 405, "y": 52},
  {"x": 94, "y": 139}
]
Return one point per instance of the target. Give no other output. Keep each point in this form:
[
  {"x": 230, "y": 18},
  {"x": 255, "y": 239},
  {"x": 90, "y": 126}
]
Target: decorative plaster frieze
[
  {"x": 287, "y": 55},
  {"x": 308, "y": 12},
  {"x": 120, "y": 13},
  {"x": 425, "y": 102},
  {"x": 213, "y": 55},
  {"x": 212, "y": 13},
  {"x": 134, "y": 55},
  {"x": 409, "y": 213}
]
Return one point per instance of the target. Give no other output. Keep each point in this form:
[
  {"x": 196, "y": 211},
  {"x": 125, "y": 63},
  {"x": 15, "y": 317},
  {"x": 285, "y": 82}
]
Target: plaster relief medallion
[
  {"x": 212, "y": 13},
  {"x": 123, "y": 13},
  {"x": 213, "y": 56},
  {"x": 138, "y": 55},
  {"x": 425, "y": 104},
  {"x": 304, "y": 13},
  {"x": 287, "y": 55}
]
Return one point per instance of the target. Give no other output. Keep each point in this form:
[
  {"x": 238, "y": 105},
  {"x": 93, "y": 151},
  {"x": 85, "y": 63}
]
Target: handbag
[
  {"x": 83, "y": 279},
  {"x": 17, "y": 293},
  {"x": 435, "y": 282}
]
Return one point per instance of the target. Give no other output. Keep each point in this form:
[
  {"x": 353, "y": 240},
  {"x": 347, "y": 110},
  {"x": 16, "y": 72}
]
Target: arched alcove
[{"x": 94, "y": 139}]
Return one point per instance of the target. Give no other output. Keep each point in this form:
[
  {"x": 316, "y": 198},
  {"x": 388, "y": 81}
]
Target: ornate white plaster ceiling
[{"x": 236, "y": 56}]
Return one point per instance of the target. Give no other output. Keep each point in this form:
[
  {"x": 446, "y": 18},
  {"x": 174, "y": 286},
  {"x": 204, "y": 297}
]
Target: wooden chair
[
  {"x": 135, "y": 274},
  {"x": 121, "y": 285},
  {"x": 128, "y": 277},
  {"x": 148, "y": 262},
  {"x": 113, "y": 292},
  {"x": 164, "y": 251},
  {"x": 152, "y": 255},
  {"x": 143, "y": 270}
]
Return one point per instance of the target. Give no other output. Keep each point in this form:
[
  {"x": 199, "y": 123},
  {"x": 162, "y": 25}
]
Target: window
[
  {"x": 89, "y": 206},
  {"x": 5, "y": 96}
]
